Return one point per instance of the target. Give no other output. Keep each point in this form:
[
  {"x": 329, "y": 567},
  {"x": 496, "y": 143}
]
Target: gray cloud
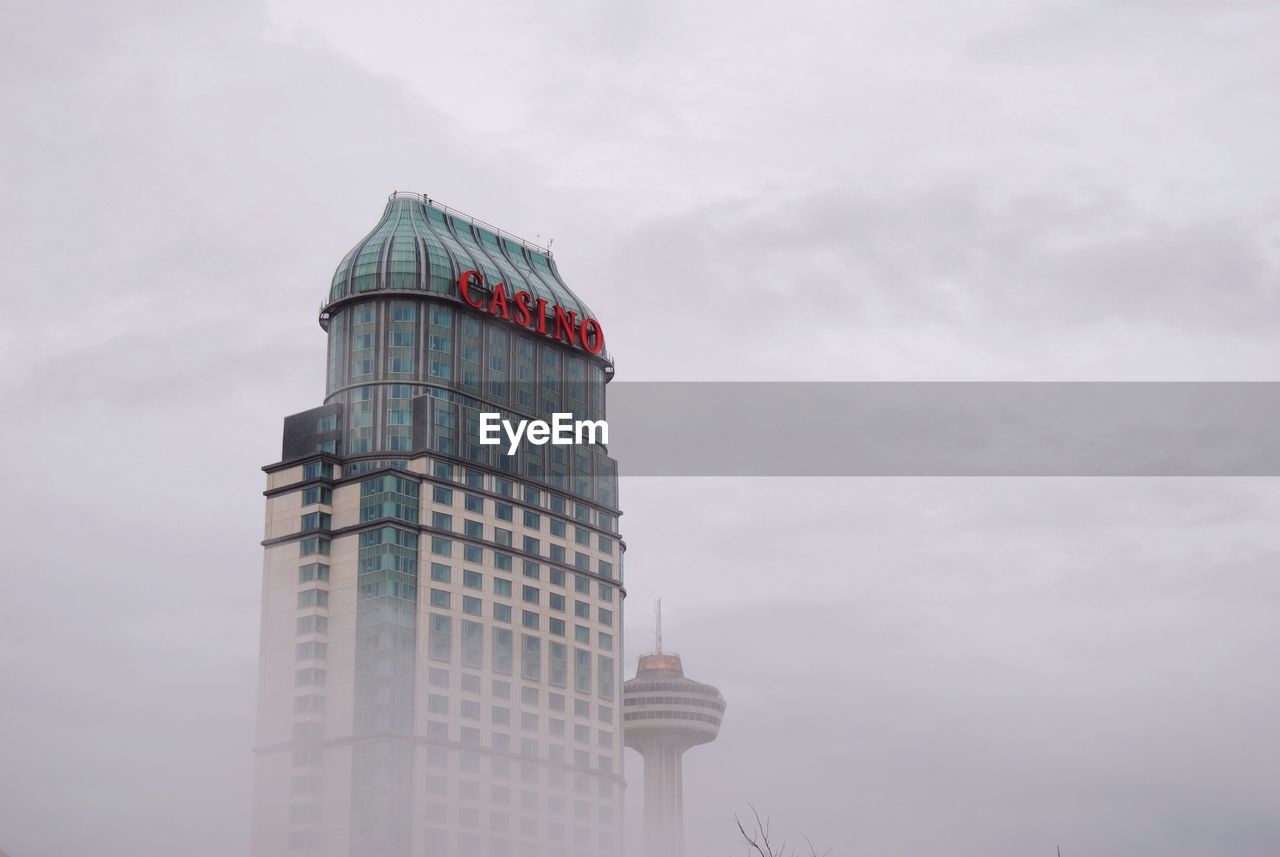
[{"x": 976, "y": 190}]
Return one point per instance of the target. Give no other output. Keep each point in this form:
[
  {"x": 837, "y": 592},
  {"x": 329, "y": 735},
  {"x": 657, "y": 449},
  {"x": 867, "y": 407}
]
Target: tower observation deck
[{"x": 665, "y": 714}]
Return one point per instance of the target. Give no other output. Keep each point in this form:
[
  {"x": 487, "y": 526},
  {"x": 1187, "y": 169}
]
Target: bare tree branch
[{"x": 759, "y": 842}]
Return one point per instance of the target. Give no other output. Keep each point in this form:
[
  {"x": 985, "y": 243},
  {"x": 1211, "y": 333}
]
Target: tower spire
[{"x": 657, "y": 647}]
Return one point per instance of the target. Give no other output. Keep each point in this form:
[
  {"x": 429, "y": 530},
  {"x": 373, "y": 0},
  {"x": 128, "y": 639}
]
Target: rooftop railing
[{"x": 474, "y": 221}]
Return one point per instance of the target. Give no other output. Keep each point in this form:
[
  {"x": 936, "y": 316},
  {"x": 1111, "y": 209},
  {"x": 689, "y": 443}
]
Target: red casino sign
[{"x": 527, "y": 311}]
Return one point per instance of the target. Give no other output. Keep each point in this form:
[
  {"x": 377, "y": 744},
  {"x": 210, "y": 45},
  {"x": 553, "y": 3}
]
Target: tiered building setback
[{"x": 442, "y": 622}]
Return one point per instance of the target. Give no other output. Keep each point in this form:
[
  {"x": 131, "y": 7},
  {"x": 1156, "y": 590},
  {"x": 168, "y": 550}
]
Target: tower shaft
[{"x": 663, "y": 801}]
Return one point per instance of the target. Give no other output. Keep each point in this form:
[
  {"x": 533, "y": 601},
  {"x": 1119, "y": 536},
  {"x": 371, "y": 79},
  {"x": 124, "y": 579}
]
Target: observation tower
[{"x": 664, "y": 714}]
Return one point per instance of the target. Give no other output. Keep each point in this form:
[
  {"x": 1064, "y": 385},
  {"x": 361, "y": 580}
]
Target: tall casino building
[{"x": 442, "y": 621}]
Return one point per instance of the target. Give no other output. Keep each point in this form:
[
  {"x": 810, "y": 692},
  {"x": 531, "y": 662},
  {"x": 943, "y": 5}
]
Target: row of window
[
  {"x": 557, "y": 754},
  {"x": 472, "y": 844},
  {"x": 531, "y": 495},
  {"x": 530, "y": 773},
  {"x": 530, "y": 801},
  {"x": 476, "y": 356},
  {"x": 453, "y": 429},
  {"x": 531, "y": 570},
  {"x": 557, "y": 527},
  {"x": 320, "y": 523},
  {"x": 440, "y": 647},
  {"x": 500, "y": 822},
  {"x": 694, "y": 701},
  {"x": 501, "y": 715}
]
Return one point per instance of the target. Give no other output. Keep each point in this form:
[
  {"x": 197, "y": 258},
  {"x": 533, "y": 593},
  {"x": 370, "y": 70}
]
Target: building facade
[{"x": 441, "y": 621}]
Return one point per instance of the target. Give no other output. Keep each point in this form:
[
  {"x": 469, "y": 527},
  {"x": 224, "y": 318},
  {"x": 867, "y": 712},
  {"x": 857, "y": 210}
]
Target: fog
[{"x": 969, "y": 191}]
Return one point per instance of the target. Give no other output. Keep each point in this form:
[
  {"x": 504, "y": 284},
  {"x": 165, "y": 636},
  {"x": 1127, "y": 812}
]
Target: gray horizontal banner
[{"x": 944, "y": 429}]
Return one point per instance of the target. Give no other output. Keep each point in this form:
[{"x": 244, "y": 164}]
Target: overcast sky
[{"x": 862, "y": 191}]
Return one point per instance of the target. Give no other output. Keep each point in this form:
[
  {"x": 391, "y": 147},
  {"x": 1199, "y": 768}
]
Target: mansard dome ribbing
[{"x": 421, "y": 245}]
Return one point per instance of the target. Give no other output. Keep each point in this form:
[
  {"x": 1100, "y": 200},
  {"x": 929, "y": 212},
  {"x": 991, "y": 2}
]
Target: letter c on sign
[{"x": 465, "y": 281}]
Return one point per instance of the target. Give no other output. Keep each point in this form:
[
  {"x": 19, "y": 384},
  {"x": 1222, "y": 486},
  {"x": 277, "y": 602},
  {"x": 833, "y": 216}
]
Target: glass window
[
  {"x": 317, "y": 470},
  {"x": 502, "y": 586},
  {"x": 317, "y": 494},
  {"x": 389, "y": 496},
  {"x": 606, "y": 677},
  {"x": 473, "y": 503},
  {"x": 313, "y": 571},
  {"x": 441, "y": 573},
  {"x": 558, "y": 667},
  {"x": 313, "y": 624},
  {"x": 473, "y": 645},
  {"x": 531, "y": 658},
  {"x": 472, "y": 579},
  {"x": 503, "y": 654},
  {"x": 316, "y": 521},
  {"x": 313, "y": 598},
  {"x": 313, "y": 545},
  {"x": 440, "y": 643},
  {"x": 582, "y": 678}
]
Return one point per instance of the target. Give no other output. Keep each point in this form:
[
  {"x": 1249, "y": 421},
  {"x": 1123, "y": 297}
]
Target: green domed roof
[{"x": 420, "y": 245}]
